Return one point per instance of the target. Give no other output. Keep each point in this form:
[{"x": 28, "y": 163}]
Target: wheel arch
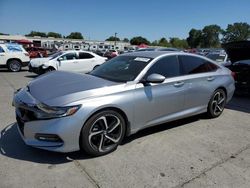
[
  {"x": 223, "y": 88},
  {"x": 120, "y": 111},
  {"x": 17, "y": 59}
]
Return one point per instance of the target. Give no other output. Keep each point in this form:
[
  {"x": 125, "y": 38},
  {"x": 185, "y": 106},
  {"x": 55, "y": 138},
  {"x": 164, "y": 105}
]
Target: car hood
[
  {"x": 237, "y": 51},
  {"x": 60, "y": 88},
  {"x": 39, "y": 61}
]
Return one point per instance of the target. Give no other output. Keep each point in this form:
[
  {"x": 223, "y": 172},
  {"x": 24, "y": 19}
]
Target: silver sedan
[{"x": 64, "y": 112}]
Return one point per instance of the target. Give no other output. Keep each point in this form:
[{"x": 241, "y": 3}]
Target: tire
[
  {"x": 100, "y": 138},
  {"x": 14, "y": 65},
  {"x": 49, "y": 69},
  {"x": 217, "y": 103}
]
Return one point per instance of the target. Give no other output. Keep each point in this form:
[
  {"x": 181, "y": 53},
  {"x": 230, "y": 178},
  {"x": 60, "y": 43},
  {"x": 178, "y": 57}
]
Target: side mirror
[
  {"x": 60, "y": 59},
  {"x": 154, "y": 78}
]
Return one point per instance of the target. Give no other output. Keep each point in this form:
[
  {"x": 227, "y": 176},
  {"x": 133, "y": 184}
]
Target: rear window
[{"x": 83, "y": 55}]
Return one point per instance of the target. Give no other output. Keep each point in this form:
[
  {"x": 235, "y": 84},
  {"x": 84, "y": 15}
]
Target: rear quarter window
[{"x": 195, "y": 65}]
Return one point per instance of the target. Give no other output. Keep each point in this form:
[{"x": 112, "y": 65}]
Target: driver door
[
  {"x": 68, "y": 62},
  {"x": 158, "y": 103}
]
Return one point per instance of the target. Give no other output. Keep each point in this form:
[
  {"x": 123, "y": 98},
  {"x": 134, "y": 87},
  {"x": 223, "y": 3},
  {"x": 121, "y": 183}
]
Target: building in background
[{"x": 54, "y": 44}]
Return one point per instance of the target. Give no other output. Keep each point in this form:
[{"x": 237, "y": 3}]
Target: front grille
[
  {"x": 22, "y": 116},
  {"x": 20, "y": 124}
]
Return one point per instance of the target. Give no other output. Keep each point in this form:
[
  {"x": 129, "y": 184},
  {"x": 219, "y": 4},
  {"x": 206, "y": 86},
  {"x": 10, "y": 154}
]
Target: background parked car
[
  {"x": 75, "y": 60},
  {"x": 13, "y": 56},
  {"x": 158, "y": 49},
  {"x": 111, "y": 53},
  {"x": 242, "y": 76},
  {"x": 36, "y": 52},
  {"x": 239, "y": 54},
  {"x": 221, "y": 58}
]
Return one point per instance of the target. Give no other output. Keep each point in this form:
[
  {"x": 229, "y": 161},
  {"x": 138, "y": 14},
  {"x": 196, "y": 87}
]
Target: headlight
[{"x": 46, "y": 112}]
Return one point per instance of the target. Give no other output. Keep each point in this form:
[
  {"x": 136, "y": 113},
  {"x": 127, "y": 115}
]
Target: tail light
[{"x": 233, "y": 74}]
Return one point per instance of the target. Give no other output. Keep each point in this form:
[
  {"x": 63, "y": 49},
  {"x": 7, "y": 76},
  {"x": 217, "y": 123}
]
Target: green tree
[
  {"x": 194, "y": 38},
  {"x": 4, "y": 34},
  {"x": 236, "y": 32},
  {"x": 210, "y": 36},
  {"x": 112, "y": 38},
  {"x": 139, "y": 40},
  {"x": 55, "y": 35},
  {"x": 36, "y": 33},
  {"x": 155, "y": 43},
  {"x": 163, "y": 42},
  {"x": 125, "y": 40},
  {"x": 178, "y": 43},
  {"x": 75, "y": 35}
]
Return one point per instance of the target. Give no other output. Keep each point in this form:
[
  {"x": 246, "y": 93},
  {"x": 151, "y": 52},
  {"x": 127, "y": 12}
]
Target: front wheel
[
  {"x": 102, "y": 133},
  {"x": 49, "y": 69},
  {"x": 217, "y": 103}
]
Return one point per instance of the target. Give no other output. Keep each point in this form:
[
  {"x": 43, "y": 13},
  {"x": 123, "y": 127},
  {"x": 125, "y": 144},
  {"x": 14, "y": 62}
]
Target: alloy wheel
[
  {"x": 105, "y": 133},
  {"x": 14, "y": 66},
  {"x": 218, "y": 102}
]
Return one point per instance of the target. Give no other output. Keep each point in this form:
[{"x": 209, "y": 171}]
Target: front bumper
[
  {"x": 26, "y": 63},
  {"x": 37, "y": 70},
  {"x": 66, "y": 128}
]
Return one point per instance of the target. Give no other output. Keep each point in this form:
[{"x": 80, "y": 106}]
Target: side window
[
  {"x": 83, "y": 55},
  {"x": 194, "y": 65},
  {"x": 1, "y": 50},
  {"x": 68, "y": 56},
  {"x": 166, "y": 66}
]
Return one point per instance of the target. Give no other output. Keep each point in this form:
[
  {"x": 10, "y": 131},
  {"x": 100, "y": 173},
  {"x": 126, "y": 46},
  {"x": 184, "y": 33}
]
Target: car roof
[
  {"x": 67, "y": 51},
  {"x": 151, "y": 54}
]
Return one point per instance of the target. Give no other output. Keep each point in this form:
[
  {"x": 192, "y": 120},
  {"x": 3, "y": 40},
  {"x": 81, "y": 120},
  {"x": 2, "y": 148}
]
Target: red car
[{"x": 35, "y": 52}]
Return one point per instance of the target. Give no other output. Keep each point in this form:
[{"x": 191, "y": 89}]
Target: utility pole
[{"x": 115, "y": 38}]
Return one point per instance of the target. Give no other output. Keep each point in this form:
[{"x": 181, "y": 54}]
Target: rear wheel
[
  {"x": 217, "y": 103},
  {"x": 14, "y": 65},
  {"x": 102, "y": 133}
]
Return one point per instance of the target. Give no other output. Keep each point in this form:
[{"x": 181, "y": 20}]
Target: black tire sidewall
[
  {"x": 14, "y": 61},
  {"x": 84, "y": 142}
]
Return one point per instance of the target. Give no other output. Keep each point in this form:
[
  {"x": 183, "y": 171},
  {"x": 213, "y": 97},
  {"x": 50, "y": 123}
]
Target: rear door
[
  {"x": 86, "y": 62},
  {"x": 199, "y": 75}
]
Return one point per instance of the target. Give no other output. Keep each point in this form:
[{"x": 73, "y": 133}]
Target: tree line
[
  {"x": 72, "y": 35},
  {"x": 211, "y": 36}
]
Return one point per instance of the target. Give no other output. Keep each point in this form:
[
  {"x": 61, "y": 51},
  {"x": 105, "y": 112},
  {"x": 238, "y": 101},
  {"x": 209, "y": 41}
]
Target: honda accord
[{"x": 64, "y": 111}]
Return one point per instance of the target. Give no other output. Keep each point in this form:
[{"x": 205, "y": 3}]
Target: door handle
[
  {"x": 210, "y": 78},
  {"x": 178, "y": 84},
  {"x": 1, "y": 54},
  {"x": 75, "y": 62}
]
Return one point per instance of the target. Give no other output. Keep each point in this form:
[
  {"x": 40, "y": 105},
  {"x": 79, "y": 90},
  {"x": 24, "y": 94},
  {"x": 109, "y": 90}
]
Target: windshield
[
  {"x": 121, "y": 68},
  {"x": 216, "y": 57},
  {"x": 55, "y": 55}
]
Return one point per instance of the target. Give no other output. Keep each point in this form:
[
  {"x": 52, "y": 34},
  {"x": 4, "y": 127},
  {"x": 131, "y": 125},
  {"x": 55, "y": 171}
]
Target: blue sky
[{"x": 99, "y": 19}]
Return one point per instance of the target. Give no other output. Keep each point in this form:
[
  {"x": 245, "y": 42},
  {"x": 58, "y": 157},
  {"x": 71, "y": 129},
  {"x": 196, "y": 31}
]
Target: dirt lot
[{"x": 193, "y": 152}]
